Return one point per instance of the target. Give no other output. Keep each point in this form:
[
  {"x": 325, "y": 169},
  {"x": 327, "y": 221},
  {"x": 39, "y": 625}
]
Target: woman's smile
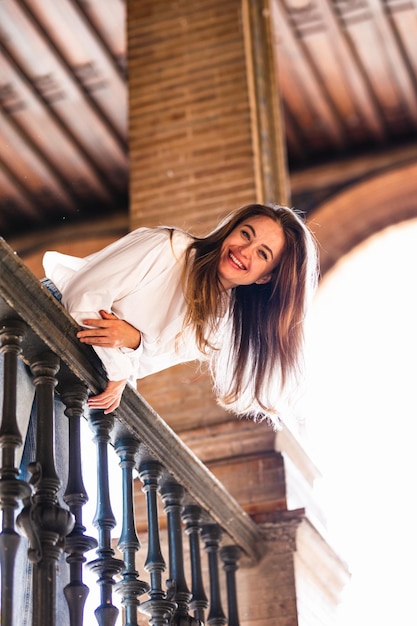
[{"x": 236, "y": 261}]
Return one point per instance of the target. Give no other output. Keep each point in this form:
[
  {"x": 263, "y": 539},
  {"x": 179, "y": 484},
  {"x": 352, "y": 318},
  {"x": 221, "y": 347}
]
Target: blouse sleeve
[{"x": 106, "y": 280}]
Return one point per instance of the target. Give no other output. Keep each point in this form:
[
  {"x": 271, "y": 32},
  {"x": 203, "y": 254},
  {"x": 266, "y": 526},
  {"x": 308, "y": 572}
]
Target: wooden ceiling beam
[
  {"x": 327, "y": 58},
  {"x": 402, "y": 17},
  {"x": 109, "y": 25},
  {"x": 295, "y": 144},
  {"x": 30, "y": 169},
  {"x": 301, "y": 87},
  {"x": 23, "y": 107},
  {"x": 78, "y": 48},
  {"x": 56, "y": 86},
  {"x": 347, "y": 84},
  {"x": 15, "y": 202},
  {"x": 382, "y": 60}
]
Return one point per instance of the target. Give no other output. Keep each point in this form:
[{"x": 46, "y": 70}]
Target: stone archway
[{"x": 361, "y": 210}]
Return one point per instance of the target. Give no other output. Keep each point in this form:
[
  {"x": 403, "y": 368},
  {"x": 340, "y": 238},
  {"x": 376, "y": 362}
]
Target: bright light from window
[{"x": 361, "y": 421}]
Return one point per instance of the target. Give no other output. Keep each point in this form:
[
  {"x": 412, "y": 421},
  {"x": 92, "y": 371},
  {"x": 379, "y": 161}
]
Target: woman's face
[{"x": 251, "y": 252}]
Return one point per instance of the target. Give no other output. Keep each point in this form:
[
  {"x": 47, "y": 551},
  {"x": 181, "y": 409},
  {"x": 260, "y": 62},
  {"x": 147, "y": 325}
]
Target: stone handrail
[{"x": 22, "y": 294}]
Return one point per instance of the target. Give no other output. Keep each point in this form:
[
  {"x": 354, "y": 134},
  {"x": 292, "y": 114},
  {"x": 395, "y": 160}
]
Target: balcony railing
[{"x": 35, "y": 328}]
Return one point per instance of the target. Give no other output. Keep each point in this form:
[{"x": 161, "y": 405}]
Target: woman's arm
[
  {"x": 113, "y": 280},
  {"x": 126, "y": 278},
  {"x": 110, "y": 332},
  {"x": 109, "y": 399}
]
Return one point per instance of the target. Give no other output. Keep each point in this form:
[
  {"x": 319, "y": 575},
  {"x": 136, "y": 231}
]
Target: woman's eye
[
  {"x": 262, "y": 253},
  {"x": 245, "y": 234}
]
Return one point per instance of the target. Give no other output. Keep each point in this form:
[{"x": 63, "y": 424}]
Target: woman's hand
[
  {"x": 109, "y": 399},
  {"x": 110, "y": 332}
]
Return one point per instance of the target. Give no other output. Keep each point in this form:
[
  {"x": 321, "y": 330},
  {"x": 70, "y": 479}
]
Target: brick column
[{"x": 194, "y": 123}]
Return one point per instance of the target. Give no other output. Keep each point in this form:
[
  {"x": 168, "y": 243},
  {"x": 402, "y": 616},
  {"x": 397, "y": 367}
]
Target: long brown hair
[{"x": 265, "y": 321}]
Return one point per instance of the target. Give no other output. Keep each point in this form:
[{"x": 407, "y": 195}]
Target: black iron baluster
[
  {"x": 106, "y": 566},
  {"x": 172, "y": 495},
  {"x": 74, "y": 395},
  {"x": 192, "y": 516},
  {"x": 12, "y": 490},
  {"x": 44, "y": 521},
  {"x": 211, "y": 534},
  {"x": 159, "y": 608},
  {"x": 230, "y": 556},
  {"x": 130, "y": 587}
]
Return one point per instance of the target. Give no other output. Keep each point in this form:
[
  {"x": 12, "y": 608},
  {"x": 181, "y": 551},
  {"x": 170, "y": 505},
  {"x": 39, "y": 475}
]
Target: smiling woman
[
  {"x": 235, "y": 299},
  {"x": 251, "y": 252}
]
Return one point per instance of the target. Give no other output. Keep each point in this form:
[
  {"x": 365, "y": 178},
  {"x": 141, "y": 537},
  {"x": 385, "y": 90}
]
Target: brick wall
[{"x": 190, "y": 123}]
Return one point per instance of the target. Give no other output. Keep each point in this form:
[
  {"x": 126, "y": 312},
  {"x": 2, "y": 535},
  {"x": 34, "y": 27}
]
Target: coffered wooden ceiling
[
  {"x": 347, "y": 74},
  {"x": 63, "y": 110}
]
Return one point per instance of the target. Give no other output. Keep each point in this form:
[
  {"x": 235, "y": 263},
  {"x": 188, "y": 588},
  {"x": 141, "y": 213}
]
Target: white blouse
[{"x": 138, "y": 278}]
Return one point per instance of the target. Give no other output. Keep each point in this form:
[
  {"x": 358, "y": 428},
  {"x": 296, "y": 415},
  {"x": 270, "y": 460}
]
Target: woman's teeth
[{"x": 236, "y": 261}]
